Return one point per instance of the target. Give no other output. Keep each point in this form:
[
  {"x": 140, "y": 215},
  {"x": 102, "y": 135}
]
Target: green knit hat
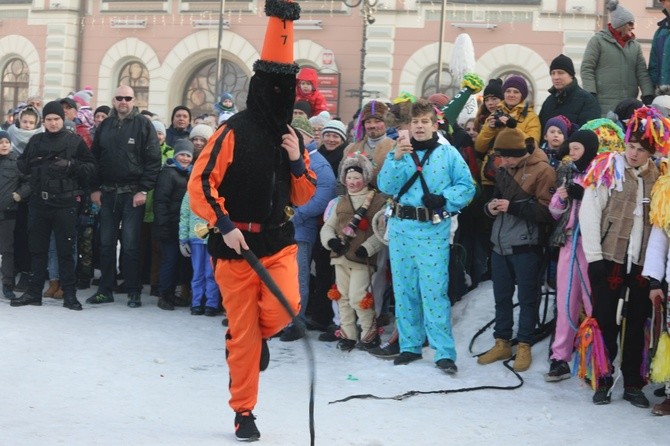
[{"x": 301, "y": 123}]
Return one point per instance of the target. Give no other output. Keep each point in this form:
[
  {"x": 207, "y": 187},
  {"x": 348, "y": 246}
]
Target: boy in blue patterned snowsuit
[{"x": 418, "y": 233}]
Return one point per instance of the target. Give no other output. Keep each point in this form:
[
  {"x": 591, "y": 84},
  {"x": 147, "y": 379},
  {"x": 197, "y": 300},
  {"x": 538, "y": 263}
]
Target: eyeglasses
[{"x": 123, "y": 98}]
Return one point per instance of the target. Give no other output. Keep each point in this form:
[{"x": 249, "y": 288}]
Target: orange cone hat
[{"x": 277, "y": 53}]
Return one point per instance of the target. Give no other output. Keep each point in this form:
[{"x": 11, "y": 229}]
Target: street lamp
[{"x": 367, "y": 7}]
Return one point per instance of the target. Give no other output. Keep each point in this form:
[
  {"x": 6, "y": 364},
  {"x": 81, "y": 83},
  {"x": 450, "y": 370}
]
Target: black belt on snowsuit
[{"x": 49, "y": 196}]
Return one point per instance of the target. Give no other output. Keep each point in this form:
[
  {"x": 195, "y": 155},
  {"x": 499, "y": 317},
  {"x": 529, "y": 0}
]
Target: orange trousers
[{"x": 254, "y": 313}]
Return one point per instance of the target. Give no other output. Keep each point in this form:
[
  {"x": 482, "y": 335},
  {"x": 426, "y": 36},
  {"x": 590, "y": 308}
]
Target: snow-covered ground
[{"x": 111, "y": 375}]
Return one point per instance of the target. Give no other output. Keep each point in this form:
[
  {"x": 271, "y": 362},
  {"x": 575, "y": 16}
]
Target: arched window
[
  {"x": 448, "y": 85},
  {"x": 135, "y": 74},
  {"x": 201, "y": 93},
  {"x": 15, "y": 77}
]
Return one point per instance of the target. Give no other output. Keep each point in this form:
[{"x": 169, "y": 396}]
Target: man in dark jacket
[
  {"x": 129, "y": 159},
  {"x": 60, "y": 167},
  {"x": 566, "y": 97}
]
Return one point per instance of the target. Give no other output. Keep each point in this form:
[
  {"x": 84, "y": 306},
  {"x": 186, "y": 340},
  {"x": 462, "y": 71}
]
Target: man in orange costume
[{"x": 250, "y": 171}]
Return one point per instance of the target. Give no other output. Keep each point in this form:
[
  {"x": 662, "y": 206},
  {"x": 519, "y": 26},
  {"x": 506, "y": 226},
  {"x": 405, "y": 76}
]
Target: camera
[{"x": 497, "y": 115}]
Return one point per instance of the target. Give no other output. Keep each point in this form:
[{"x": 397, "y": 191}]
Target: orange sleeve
[
  {"x": 206, "y": 177},
  {"x": 303, "y": 186}
]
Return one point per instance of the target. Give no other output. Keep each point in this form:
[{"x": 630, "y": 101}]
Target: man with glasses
[{"x": 129, "y": 159}]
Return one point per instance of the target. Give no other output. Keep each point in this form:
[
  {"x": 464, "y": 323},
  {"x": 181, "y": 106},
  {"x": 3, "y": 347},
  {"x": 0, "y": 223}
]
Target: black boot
[
  {"x": 71, "y": 303},
  {"x": 166, "y": 302},
  {"x": 8, "y": 291},
  {"x": 26, "y": 299}
]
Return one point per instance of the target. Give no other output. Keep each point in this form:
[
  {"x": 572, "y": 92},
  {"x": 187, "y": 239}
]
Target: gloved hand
[
  {"x": 575, "y": 191},
  {"x": 361, "y": 252},
  {"x": 511, "y": 122},
  {"x": 434, "y": 201},
  {"x": 59, "y": 166},
  {"x": 647, "y": 99},
  {"x": 336, "y": 245},
  {"x": 185, "y": 248},
  {"x": 598, "y": 270}
]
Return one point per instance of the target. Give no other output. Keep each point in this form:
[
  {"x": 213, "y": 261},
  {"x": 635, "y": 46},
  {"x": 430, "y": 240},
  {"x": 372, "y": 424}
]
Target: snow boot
[
  {"x": 405, "y": 358},
  {"x": 54, "y": 286},
  {"x": 602, "y": 395},
  {"x": 71, "y": 303},
  {"x": 346, "y": 345},
  {"x": 26, "y": 299},
  {"x": 134, "y": 300},
  {"x": 523, "y": 357},
  {"x": 447, "y": 365},
  {"x": 245, "y": 426},
  {"x": 501, "y": 350},
  {"x": 636, "y": 397},
  {"x": 558, "y": 371},
  {"x": 662, "y": 408}
]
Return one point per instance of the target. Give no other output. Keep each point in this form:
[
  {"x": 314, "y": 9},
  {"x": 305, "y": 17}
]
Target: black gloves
[
  {"x": 598, "y": 270},
  {"x": 361, "y": 252},
  {"x": 511, "y": 122},
  {"x": 575, "y": 191},
  {"x": 336, "y": 245},
  {"x": 647, "y": 99},
  {"x": 434, "y": 201},
  {"x": 59, "y": 166}
]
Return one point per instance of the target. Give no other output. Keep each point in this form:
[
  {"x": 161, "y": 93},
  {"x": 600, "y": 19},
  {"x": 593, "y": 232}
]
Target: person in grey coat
[{"x": 613, "y": 67}]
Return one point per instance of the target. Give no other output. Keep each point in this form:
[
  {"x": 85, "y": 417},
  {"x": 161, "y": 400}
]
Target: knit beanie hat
[
  {"x": 589, "y": 140},
  {"x": 159, "y": 126},
  {"x": 201, "y": 130},
  {"x": 83, "y": 97},
  {"x": 516, "y": 82},
  {"x": 301, "y": 123},
  {"x": 562, "y": 123},
  {"x": 180, "y": 107},
  {"x": 357, "y": 163},
  {"x": 183, "y": 146},
  {"x": 104, "y": 109},
  {"x": 662, "y": 104},
  {"x": 337, "y": 127},
  {"x": 510, "y": 142},
  {"x": 494, "y": 88},
  {"x": 53, "y": 108},
  {"x": 303, "y": 106},
  {"x": 321, "y": 119},
  {"x": 439, "y": 99},
  {"x": 4, "y": 135},
  {"x": 619, "y": 15},
  {"x": 563, "y": 62},
  {"x": 225, "y": 96}
]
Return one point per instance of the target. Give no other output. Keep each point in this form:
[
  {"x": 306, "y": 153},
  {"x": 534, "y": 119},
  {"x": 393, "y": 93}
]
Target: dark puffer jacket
[
  {"x": 11, "y": 180},
  {"x": 170, "y": 190},
  {"x": 573, "y": 102}
]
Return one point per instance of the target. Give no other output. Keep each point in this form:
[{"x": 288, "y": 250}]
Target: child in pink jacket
[{"x": 572, "y": 288}]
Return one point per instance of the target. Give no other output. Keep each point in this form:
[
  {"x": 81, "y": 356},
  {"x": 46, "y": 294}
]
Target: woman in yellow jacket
[{"x": 512, "y": 112}]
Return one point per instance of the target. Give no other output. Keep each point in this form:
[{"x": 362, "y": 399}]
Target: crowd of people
[{"x": 387, "y": 220}]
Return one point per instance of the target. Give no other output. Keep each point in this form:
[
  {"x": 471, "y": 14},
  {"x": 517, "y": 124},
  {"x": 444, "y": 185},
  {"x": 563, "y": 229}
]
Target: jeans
[
  {"x": 522, "y": 270},
  {"x": 118, "y": 209},
  {"x": 304, "y": 264}
]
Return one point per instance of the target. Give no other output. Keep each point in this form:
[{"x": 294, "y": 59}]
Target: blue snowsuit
[{"x": 419, "y": 250}]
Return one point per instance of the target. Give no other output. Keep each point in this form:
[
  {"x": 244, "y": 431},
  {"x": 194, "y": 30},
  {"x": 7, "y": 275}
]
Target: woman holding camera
[{"x": 512, "y": 112}]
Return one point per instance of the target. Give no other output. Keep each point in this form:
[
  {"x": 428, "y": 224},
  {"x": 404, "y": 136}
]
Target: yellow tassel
[
  {"x": 659, "y": 210},
  {"x": 660, "y": 365}
]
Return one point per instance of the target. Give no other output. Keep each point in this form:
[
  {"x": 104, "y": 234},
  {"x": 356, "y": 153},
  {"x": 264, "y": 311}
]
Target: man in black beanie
[
  {"x": 566, "y": 97},
  {"x": 60, "y": 167}
]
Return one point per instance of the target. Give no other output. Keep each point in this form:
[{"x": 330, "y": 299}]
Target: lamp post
[
  {"x": 219, "y": 55},
  {"x": 367, "y": 7}
]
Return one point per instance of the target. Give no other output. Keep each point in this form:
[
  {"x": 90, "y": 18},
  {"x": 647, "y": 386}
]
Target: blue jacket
[
  {"x": 446, "y": 173},
  {"x": 306, "y": 217},
  {"x": 659, "y": 57}
]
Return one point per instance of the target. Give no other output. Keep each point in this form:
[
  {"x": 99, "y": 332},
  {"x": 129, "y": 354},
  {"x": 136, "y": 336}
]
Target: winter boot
[
  {"x": 134, "y": 300},
  {"x": 501, "y": 350},
  {"x": 662, "y": 408},
  {"x": 245, "y": 427},
  {"x": 523, "y": 357},
  {"x": 636, "y": 397},
  {"x": 405, "y": 358},
  {"x": 59, "y": 294},
  {"x": 26, "y": 299},
  {"x": 387, "y": 350},
  {"x": 8, "y": 291},
  {"x": 602, "y": 394},
  {"x": 368, "y": 344},
  {"x": 447, "y": 365},
  {"x": 54, "y": 286},
  {"x": 346, "y": 345},
  {"x": 558, "y": 371},
  {"x": 72, "y": 303},
  {"x": 166, "y": 302}
]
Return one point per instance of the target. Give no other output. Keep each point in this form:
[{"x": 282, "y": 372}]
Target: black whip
[{"x": 265, "y": 277}]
